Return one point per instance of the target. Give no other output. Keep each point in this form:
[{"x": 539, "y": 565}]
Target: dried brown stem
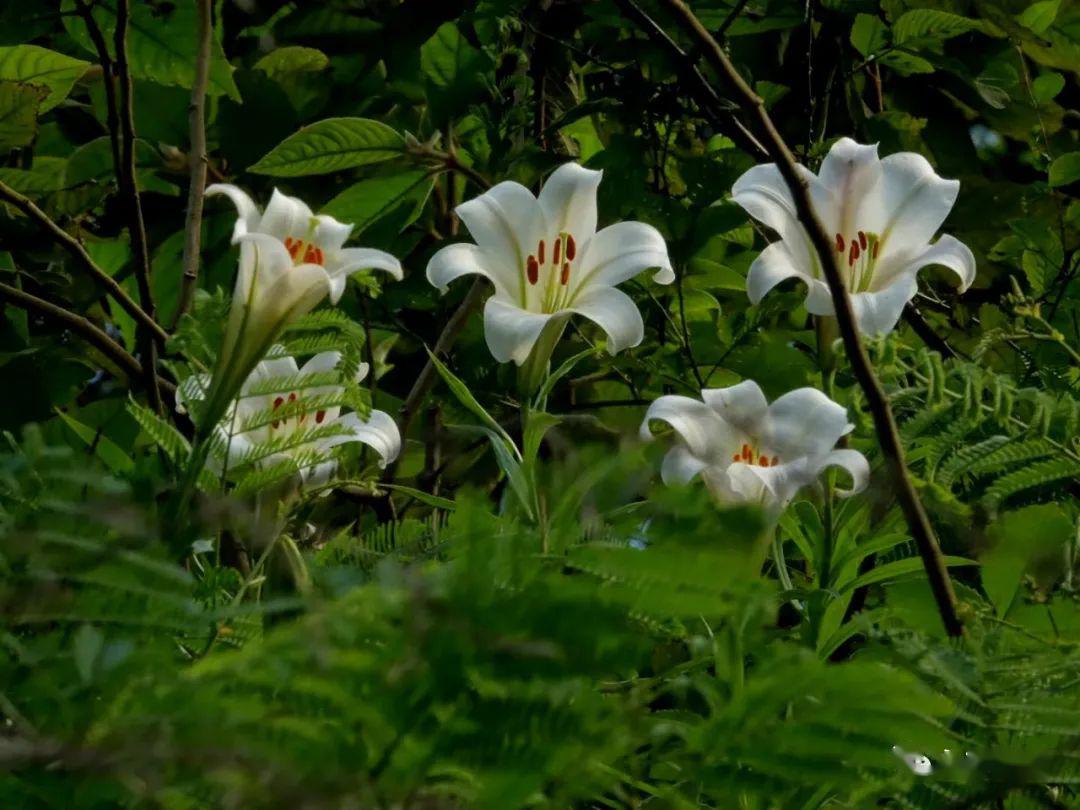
[
  {"x": 83, "y": 259},
  {"x": 885, "y": 424},
  {"x": 197, "y": 159},
  {"x": 129, "y": 191}
]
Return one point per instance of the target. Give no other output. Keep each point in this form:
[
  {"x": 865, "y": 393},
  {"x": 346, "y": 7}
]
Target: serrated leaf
[
  {"x": 19, "y": 108},
  {"x": 161, "y": 43},
  {"x": 32, "y": 65},
  {"x": 930, "y": 24},
  {"x": 330, "y": 146},
  {"x": 868, "y": 34},
  {"x": 292, "y": 59},
  {"x": 368, "y": 201},
  {"x": 1039, "y": 16},
  {"x": 1065, "y": 169}
]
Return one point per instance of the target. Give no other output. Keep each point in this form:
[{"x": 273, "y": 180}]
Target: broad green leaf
[
  {"x": 868, "y": 34},
  {"x": 930, "y": 24},
  {"x": 1047, "y": 86},
  {"x": 898, "y": 569},
  {"x": 103, "y": 447},
  {"x": 449, "y": 61},
  {"x": 161, "y": 43},
  {"x": 1018, "y": 539},
  {"x": 330, "y": 146},
  {"x": 32, "y": 65},
  {"x": 1039, "y": 16},
  {"x": 44, "y": 177},
  {"x": 292, "y": 59},
  {"x": 1065, "y": 169},
  {"x": 19, "y": 107},
  {"x": 906, "y": 63},
  {"x": 363, "y": 203}
]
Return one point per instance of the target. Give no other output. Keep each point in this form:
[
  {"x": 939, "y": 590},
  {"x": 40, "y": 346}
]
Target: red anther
[
  {"x": 763, "y": 461},
  {"x": 319, "y": 416},
  {"x": 292, "y": 397},
  {"x": 746, "y": 452},
  {"x": 293, "y": 246},
  {"x": 564, "y": 276},
  {"x": 532, "y": 269},
  {"x": 853, "y": 254},
  {"x": 278, "y": 402},
  {"x": 557, "y": 251},
  {"x": 313, "y": 255},
  {"x": 862, "y": 240},
  {"x": 839, "y": 243},
  {"x": 735, "y": 457},
  {"x": 775, "y": 460},
  {"x": 540, "y": 252},
  {"x": 571, "y": 247},
  {"x": 874, "y": 252}
]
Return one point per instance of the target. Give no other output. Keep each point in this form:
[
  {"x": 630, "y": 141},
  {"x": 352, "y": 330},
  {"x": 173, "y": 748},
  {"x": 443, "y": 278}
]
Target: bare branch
[
  {"x": 197, "y": 159},
  {"x": 878, "y": 402},
  {"x": 74, "y": 247}
]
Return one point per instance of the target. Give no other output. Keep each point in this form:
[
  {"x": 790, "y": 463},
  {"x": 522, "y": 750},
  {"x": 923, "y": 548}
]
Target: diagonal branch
[
  {"x": 197, "y": 159},
  {"x": 888, "y": 436},
  {"x": 712, "y": 105},
  {"x": 74, "y": 247},
  {"x": 130, "y": 191},
  {"x": 86, "y": 329}
]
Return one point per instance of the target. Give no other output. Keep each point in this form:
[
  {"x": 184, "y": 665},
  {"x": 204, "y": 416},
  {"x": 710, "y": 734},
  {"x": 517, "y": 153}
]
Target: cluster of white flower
[{"x": 547, "y": 261}]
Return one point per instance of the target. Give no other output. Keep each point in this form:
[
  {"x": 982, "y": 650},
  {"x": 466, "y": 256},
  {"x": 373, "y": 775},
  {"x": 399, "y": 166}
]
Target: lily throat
[
  {"x": 550, "y": 268},
  {"x": 860, "y": 253}
]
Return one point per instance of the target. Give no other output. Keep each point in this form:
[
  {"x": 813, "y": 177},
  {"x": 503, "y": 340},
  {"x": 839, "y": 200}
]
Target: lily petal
[
  {"x": 948, "y": 251},
  {"x": 330, "y": 234},
  {"x": 878, "y": 311},
  {"x": 680, "y": 465},
  {"x": 285, "y": 216},
  {"x": 763, "y": 194},
  {"x": 774, "y": 264},
  {"x": 621, "y": 251},
  {"x": 705, "y": 433},
  {"x": 568, "y": 199},
  {"x": 378, "y": 431},
  {"x": 771, "y": 487},
  {"x": 855, "y": 464},
  {"x": 912, "y": 201},
  {"x": 507, "y": 222},
  {"x": 743, "y": 405},
  {"x": 248, "y": 213},
  {"x": 462, "y": 259},
  {"x": 850, "y": 172},
  {"x": 616, "y": 313},
  {"x": 804, "y": 422},
  {"x": 510, "y": 331},
  {"x": 348, "y": 261}
]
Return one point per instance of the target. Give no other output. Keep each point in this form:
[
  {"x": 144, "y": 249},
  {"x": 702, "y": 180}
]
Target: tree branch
[
  {"x": 712, "y": 105},
  {"x": 129, "y": 190},
  {"x": 878, "y": 402},
  {"x": 86, "y": 329},
  {"x": 197, "y": 159},
  {"x": 74, "y": 247},
  {"x": 111, "y": 117}
]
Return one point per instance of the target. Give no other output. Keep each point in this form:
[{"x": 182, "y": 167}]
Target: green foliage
[{"x": 515, "y": 612}]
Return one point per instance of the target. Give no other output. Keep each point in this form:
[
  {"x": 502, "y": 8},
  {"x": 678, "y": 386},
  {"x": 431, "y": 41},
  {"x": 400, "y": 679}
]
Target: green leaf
[
  {"x": 930, "y": 24},
  {"x": 449, "y": 61},
  {"x": 1017, "y": 538},
  {"x": 868, "y": 34},
  {"x": 19, "y": 108},
  {"x": 897, "y": 569},
  {"x": 1065, "y": 169},
  {"x": 161, "y": 43},
  {"x": 86, "y": 649},
  {"x": 1039, "y": 16},
  {"x": 1047, "y": 86},
  {"x": 368, "y": 201},
  {"x": 465, "y": 397},
  {"x": 424, "y": 497},
  {"x": 32, "y": 65},
  {"x": 906, "y": 63},
  {"x": 292, "y": 59},
  {"x": 330, "y": 146},
  {"x": 103, "y": 447}
]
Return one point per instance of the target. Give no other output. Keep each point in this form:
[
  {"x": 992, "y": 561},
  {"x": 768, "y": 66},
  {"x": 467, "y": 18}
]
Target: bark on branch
[
  {"x": 888, "y": 436},
  {"x": 197, "y": 159},
  {"x": 74, "y": 247}
]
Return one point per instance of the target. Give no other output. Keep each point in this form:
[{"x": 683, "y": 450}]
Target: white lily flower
[
  {"x": 378, "y": 431},
  {"x": 881, "y": 214},
  {"x": 748, "y": 451},
  {"x": 548, "y": 261},
  {"x": 290, "y": 259}
]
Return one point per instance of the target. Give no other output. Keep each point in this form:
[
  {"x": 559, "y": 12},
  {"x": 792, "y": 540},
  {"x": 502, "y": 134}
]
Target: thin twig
[
  {"x": 197, "y": 158},
  {"x": 74, "y": 247},
  {"x": 877, "y": 401},
  {"x": 730, "y": 18},
  {"x": 130, "y": 192},
  {"x": 83, "y": 327},
  {"x": 111, "y": 117},
  {"x": 712, "y": 105}
]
